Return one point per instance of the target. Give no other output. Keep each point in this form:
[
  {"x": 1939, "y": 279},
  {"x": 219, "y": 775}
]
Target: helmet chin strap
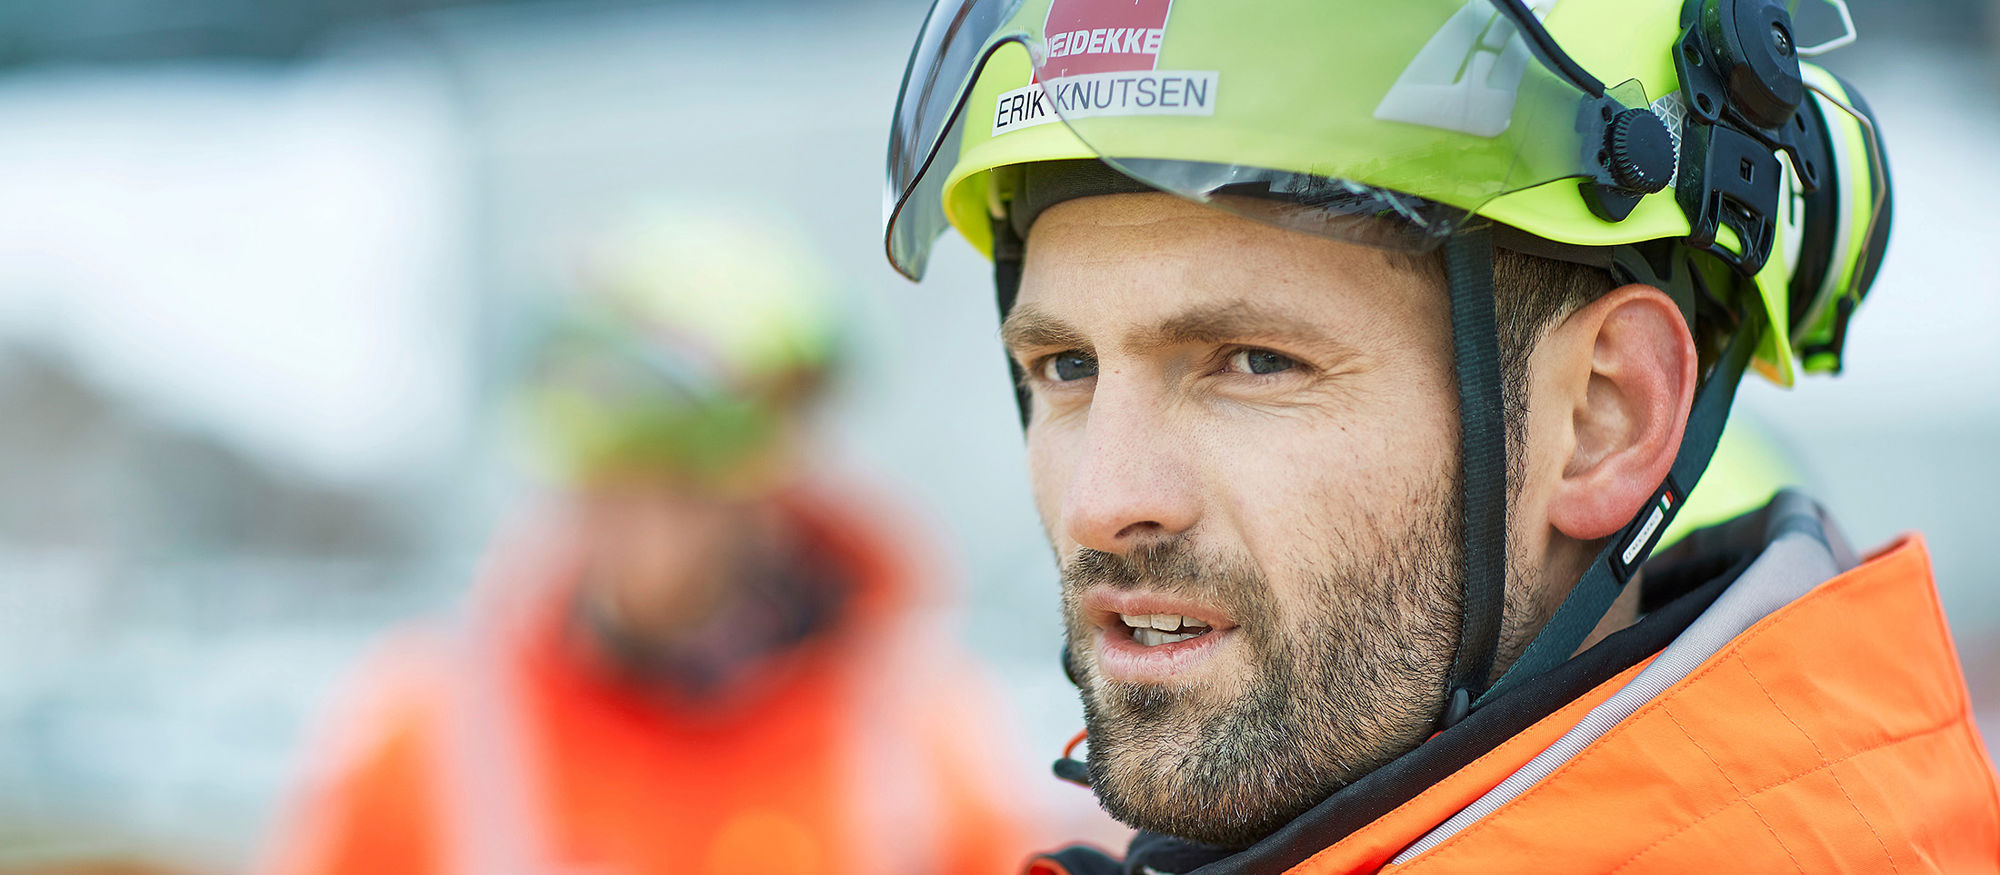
[
  {"x": 1008, "y": 250},
  {"x": 1483, "y": 437},
  {"x": 1612, "y": 569}
]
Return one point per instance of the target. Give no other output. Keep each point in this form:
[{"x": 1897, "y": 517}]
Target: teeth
[
  {"x": 1150, "y": 637},
  {"x": 1162, "y": 622}
]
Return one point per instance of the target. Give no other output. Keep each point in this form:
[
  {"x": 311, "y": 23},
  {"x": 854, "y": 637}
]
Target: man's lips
[
  {"x": 1106, "y": 607},
  {"x": 1147, "y": 637}
]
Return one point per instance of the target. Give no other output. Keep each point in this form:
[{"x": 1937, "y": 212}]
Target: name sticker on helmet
[
  {"x": 1101, "y": 59},
  {"x": 1149, "y": 92}
]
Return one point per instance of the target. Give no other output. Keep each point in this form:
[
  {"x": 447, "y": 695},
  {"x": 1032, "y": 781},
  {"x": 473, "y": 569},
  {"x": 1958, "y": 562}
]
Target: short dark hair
[{"x": 1531, "y": 294}]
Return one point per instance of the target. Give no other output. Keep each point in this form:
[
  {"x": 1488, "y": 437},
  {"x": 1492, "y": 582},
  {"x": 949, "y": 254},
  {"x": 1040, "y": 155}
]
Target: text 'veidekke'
[
  {"x": 1107, "y": 41},
  {"x": 1083, "y": 37}
]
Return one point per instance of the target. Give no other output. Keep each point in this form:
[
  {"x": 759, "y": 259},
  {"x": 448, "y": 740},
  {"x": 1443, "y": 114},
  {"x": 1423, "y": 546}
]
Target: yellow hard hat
[{"x": 689, "y": 335}]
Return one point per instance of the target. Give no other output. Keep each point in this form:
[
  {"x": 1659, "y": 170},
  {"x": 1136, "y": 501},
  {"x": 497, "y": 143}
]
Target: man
[
  {"x": 1367, "y": 349},
  {"x": 701, "y": 659}
]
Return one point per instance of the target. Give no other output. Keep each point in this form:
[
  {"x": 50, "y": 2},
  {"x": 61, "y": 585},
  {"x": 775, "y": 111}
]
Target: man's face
[
  {"x": 659, "y": 549},
  {"x": 1243, "y": 451}
]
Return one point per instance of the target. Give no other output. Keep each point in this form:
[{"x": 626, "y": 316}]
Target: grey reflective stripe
[
  {"x": 1804, "y": 553},
  {"x": 487, "y": 767},
  {"x": 486, "y": 761},
  {"x": 890, "y": 783}
]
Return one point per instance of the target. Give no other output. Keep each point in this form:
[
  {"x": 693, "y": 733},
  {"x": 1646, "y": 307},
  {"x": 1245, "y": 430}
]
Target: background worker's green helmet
[
  {"x": 687, "y": 341},
  {"x": 1676, "y": 143}
]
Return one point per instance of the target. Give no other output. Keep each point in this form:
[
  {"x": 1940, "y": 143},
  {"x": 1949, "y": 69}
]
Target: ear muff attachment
[
  {"x": 1846, "y": 221},
  {"x": 1820, "y": 214},
  {"x": 1741, "y": 82},
  {"x": 1748, "y": 104}
]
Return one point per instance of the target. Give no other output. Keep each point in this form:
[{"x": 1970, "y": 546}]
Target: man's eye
[
  {"x": 1068, "y": 367},
  {"x": 1260, "y": 361}
]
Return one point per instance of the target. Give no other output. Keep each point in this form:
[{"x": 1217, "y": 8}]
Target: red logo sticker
[{"x": 1103, "y": 36}]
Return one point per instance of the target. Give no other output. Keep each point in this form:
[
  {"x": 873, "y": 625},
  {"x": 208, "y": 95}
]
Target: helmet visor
[
  {"x": 1384, "y": 123},
  {"x": 957, "y": 37}
]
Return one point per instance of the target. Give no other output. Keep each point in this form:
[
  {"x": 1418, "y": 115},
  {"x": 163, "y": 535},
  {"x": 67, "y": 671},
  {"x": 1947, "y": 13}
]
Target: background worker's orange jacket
[
  {"x": 1827, "y": 731},
  {"x": 498, "y": 749}
]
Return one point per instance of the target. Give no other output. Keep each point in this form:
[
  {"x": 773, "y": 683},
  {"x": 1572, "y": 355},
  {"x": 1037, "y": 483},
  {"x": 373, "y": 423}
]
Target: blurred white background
[{"x": 264, "y": 268}]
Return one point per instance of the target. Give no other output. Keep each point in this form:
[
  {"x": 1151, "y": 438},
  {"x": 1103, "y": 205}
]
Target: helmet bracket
[
  {"x": 1729, "y": 179},
  {"x": 1634, "y": 156},
  {"x": 1740, "y": 80}
]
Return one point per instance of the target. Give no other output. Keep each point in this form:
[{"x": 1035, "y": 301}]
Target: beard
[{"x": 1342, "y": 680}]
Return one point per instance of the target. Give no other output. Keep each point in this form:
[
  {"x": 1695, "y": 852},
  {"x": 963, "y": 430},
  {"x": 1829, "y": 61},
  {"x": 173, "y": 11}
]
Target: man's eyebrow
[
  {"x": 1233, "y": 321},
  {"x": 1031, "y": 328}
]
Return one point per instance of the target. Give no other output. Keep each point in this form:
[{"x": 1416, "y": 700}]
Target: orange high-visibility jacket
[
  {"x": 496, "y": 749},
  {"x": 1834, "y": 734}
]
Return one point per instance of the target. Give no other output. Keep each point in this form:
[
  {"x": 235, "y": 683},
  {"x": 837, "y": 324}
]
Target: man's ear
[{"x": 1625, "y": 364}]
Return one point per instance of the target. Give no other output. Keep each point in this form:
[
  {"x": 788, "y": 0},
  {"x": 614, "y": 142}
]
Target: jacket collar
[{"x": 1679, "y": 586}]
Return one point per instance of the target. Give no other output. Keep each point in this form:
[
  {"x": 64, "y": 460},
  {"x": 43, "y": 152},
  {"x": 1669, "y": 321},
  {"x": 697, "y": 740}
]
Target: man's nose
[{"x": 1133, "y": 484}]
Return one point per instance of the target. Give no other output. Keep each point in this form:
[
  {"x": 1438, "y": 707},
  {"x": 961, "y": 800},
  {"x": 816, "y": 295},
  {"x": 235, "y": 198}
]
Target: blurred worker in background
[{"x": 697, "y": 661}]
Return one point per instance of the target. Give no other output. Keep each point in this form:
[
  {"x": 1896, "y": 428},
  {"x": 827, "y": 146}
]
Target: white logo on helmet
[{"x": 1466, "y": 78}]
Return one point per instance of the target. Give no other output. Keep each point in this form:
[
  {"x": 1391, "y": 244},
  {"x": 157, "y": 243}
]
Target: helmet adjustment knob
[{"x": 1639, "y": 151}]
